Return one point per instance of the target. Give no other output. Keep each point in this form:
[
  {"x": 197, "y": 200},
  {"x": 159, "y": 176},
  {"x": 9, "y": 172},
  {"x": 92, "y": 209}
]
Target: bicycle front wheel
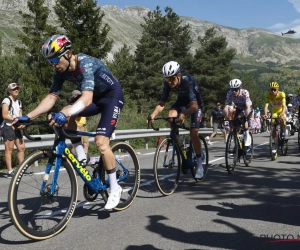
[
  {"x": 128, "y": 174},
  {"x": 40, "y": 214},
  {"x": 248, "y": 152},
  {"x": 166, "y": 167},
  {"x": 231, "y": 152},
  {"x": 205, "y": 159},
  {"x": 273, "y": 144}
]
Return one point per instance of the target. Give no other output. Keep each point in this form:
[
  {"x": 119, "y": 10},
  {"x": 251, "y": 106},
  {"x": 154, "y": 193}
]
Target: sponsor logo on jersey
[
  {"x": 106, "y": 78},
  {"x": 116, "y": 112}
]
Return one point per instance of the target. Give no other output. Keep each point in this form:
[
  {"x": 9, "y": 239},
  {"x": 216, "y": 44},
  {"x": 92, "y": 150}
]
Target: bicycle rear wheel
[
  {"x": 166, "y": 170},
  {"x": 37, "y": 214},
  {"x": 128, "y": 174},
  {"x": 248, "y": 152},
  {"x": 283, "y": 143},
  {"x": 205, "y": 159},
  {"x": 231, "y": 152},
  {"x": 299, "y": 138}
]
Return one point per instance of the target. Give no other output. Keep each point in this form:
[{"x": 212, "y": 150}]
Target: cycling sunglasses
[
  {"x": 273, "y": 90},
  {"x": 55, "y": 60},
  {"x": 171, "y": 78},
  {"x": 235, "y": 89}
]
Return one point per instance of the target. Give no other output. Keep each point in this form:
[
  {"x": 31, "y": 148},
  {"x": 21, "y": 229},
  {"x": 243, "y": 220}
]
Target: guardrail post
[{"x": 146, "y": 143}]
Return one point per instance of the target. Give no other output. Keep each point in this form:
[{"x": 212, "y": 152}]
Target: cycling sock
[
  {"x": 199, "y": 162},
  {"x": 79, "y": 151},
  {"x": 112, "y": 178}
]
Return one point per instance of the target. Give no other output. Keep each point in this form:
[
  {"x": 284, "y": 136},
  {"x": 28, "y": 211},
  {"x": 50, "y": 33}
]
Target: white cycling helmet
[
  {"x": 235, "y": 83},
  {"x": 170, "y": 69},
  {"x": 290, "y": 95}
]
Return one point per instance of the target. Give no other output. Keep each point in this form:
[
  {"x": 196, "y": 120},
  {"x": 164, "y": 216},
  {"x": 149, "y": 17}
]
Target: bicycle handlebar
[
  {"x": 166, "y": 119},
  {"x": 43, "y": 122}
]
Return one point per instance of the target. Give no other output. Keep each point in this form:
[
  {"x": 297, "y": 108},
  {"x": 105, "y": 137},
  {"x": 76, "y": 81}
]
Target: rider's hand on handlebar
[
  {"x": 57, "y": 119},
  {"x": 181, "y": 118},
  {"x": 19, "y": 120},
  {"x": 150, "y": 119}
]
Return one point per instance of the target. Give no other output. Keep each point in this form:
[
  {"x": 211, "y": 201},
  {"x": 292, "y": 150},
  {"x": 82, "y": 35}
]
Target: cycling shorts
[
  {"x": 276, "y": 115},
  {"x": 195, "y": 117}
]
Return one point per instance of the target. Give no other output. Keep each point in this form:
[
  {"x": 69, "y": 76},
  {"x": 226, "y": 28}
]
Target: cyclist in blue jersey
[
  {"x": 101, "y": 93},
  {"x": 188, "y": 102}
]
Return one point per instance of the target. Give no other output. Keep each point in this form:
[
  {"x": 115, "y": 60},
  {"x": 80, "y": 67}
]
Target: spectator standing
[
  {"x": 216, "y": 118},
  {"x": 12, "y": 108}
]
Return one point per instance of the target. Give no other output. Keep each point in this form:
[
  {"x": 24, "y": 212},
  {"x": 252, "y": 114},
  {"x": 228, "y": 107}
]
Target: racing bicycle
[
  {"x": 42, "y": 204},
  {"x": 277, "y": 142},
  {"x": 235, "y": 145},
  {"x": 172, "y": 156}
]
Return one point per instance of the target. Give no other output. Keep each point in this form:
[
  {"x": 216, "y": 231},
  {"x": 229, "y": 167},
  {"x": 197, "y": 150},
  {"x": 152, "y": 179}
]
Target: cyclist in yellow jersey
[{"x": 277, "y": 99}]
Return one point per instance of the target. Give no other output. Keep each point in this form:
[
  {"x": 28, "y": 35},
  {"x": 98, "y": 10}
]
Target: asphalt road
[{"x": 254, "y": 208}]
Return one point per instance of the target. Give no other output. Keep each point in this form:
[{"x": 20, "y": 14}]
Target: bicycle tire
[
  {"x": 166, "y": 176},
  {"x": 205, "y": 159},
  {"x": 39, "y": 216},
  {"x": 273, "y": 155},
  {"x": 283, "y": 144},
  {"x": 231, "y": 152},
  {"x": 248, "y": 155},
  {"x": 299, "y": 138},
  {"x": 130, "y": 185}
]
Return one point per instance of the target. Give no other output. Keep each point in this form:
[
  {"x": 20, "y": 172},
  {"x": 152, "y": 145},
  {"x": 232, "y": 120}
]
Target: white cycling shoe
[
  {"x": 199, "y": 173},
  {"x": 113, "y": 199}
]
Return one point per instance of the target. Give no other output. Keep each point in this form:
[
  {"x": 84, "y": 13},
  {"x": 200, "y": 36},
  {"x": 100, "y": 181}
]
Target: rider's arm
[
  {"x": 266, "y": 109},
  {"x": 225, "y": 111},
  {"x": 45, "y": 105},
  {"x": 266, "y": 105},
  {"x": 84, "y": 101},
  {"x": 159, "y": 108},
  {"x": 283, "y": 104},
  {"x": 248, "y": 109},
  {"x": 192, "y": 108}
]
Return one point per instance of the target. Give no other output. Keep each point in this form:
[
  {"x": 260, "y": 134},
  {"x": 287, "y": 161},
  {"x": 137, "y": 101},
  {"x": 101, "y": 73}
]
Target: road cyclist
[
  {"x": 239, "y": 142},
  {"x": 295, "y": 110},
  {"x": 188, "y": 103},
  {"x": 243, "y": 105},
  {"x": 277, "y": 99},
  {"x": 101, "y": 93}
]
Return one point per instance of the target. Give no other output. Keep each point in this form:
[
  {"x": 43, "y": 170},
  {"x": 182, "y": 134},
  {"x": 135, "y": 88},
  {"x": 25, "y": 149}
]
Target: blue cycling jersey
[
  {"x": 187, "y": 91},
  {"x": 91, "y": 74}
]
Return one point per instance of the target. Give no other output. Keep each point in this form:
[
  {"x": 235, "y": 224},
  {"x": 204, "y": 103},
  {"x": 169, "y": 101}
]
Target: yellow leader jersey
[
  {"x": 80, "y": 121},
  {"x": 277, "y": 102}
]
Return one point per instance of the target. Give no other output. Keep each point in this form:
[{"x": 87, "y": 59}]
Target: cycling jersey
[
  {"x": 277, "y": 101},
  {"x": 90, "y": 74},
  {"x": 240, "y": 101},
  {"x": 296, "y": 102},
  {"x": 187, "y": 91}
]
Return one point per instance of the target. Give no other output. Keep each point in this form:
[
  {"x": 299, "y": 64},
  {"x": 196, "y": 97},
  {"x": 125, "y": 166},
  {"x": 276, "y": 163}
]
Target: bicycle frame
[
  {"x": 177, "y": 143},
  {"x": 60, "y": 147}
]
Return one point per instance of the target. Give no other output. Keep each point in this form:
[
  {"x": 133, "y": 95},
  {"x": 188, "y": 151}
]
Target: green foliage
[
  {"x": 164, "y": 38},
  {"x": 212, "y": 68},
  {"x": 82, "y": 23}
]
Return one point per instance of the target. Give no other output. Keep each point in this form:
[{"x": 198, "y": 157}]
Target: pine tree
[
  {"x": 82, "y": 24},
  {"x": 37, "y": 75},
  {"x": 164, "y": 38},
  {"x": 212, "y": 68}
]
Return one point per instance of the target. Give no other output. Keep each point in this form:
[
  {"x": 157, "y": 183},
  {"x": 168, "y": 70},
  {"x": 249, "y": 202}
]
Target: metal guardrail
[{"x": 120, "y": 135}]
